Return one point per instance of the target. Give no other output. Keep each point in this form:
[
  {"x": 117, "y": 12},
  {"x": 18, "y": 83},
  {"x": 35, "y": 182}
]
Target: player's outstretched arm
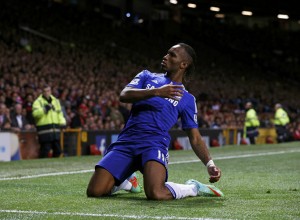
[
  {"x": 202, "y": 152},
  {"x": 130, "y": 95}
]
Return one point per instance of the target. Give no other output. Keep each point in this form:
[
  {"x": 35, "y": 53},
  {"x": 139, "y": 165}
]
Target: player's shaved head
[{"x": 190, "y": 57}]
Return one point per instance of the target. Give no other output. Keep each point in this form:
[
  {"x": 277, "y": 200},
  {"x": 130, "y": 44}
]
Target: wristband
[{"x": 210, "y": 163}]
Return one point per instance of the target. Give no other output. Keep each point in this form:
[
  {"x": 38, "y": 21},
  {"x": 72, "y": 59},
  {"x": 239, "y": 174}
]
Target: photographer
[{"x": 48, "y": 116}]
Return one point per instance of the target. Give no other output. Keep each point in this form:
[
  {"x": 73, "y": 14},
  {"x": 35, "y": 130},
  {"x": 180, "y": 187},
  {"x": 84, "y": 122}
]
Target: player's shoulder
[
  {"x": 189, "y": 95},
  {"x": 188, "y": 99},
  {"x": 152, "y": 74}
]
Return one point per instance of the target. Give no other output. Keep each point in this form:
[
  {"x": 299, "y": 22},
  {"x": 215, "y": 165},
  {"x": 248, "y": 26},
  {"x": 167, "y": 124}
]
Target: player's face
[{"x": 172, "y": 60}]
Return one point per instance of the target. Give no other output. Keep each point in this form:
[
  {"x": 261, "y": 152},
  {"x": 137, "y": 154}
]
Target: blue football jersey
[{"x": 151, "y": 119}]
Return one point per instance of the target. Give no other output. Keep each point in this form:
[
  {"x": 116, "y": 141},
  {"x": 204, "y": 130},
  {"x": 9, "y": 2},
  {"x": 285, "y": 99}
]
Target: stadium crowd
[{"x": 88, "y": 60}]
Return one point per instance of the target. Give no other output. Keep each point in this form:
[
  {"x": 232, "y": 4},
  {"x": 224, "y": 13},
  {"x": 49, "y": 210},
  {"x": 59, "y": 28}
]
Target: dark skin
[{"x": 174, "y": 63}]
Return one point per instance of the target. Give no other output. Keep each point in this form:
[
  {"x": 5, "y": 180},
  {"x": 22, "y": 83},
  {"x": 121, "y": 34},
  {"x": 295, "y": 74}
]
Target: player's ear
[{"x": 183, "y": 65}]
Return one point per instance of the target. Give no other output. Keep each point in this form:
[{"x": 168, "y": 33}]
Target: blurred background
[{"x": 88, "y": 50}]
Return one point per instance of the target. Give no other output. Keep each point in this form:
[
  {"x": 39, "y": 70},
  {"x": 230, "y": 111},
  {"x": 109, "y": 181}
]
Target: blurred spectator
[
  {"x": 296, "y": 134},
  {"x": 78, "y": 119},
  {"x": 216, "y": 123},
  {"x": 116, "y": 115},
  {"x": 27, "y": 105},
  {"x": 18, "y": 120},
  {"x": 4, "y": 117}
]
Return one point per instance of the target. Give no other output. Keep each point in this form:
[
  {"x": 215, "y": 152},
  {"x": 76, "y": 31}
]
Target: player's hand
[
  {"x": 171, "y": 91},
  {"x": 214, "y": 174}
]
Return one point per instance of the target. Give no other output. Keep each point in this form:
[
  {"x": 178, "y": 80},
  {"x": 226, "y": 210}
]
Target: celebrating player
[{"x": 159, "y": 99}]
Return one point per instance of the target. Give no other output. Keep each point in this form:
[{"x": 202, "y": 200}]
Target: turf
[{"x": 259, "y": 182}]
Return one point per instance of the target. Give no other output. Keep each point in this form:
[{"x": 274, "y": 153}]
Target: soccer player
[{"x": 159, "y": 99}]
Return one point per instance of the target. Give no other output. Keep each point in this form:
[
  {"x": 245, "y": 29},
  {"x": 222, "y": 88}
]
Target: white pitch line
[
  {"x": 178, "y": 162},
  {"x": 240, "y": 156},
  {"x": 103, "y": 215},
  {"x": 46, "y": 174}
]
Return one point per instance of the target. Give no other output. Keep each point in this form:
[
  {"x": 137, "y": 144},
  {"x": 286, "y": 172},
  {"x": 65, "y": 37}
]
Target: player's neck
[{"x": 176, "y": 77}]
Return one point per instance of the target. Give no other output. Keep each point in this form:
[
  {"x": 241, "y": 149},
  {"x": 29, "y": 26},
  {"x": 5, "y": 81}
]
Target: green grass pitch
[{"x": 259, "y": 182}]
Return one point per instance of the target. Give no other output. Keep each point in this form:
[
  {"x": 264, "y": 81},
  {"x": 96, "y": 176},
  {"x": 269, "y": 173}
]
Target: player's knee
[
  {"x": 92, "y": 192},
  {"x": 154, "y": 194}
]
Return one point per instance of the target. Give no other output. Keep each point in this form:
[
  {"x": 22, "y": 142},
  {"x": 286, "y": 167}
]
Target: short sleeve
[
  {"x": 189, "y": 114},
  {"x": 139, "y": 79}
]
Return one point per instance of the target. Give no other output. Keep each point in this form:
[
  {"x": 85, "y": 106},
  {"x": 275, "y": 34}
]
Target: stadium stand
[{"x": 88, "y": 59}]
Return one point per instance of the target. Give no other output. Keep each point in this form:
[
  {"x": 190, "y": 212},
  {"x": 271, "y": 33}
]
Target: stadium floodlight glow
[
  {"x": 282, "y": 16},
  {"x": 174, "y": 2},
  {"x": 128, "y": 15},
  {"x": 192, "y": 5},
  {"x": 220, "y": 15},
  {"x": 247, "y": 13},
  {"x": 213, "y": 8}
]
